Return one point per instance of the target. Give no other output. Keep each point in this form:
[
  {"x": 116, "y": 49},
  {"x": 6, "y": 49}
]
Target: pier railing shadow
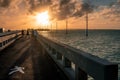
[
  {"x": 7, "y": 38},
  {"x": 84, "y": 63},
  {"x": 43, "y": 66}
]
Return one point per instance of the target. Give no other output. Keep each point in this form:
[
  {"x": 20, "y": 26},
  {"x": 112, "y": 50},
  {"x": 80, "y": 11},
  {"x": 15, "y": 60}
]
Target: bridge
[{"x": 45, "y": 59}]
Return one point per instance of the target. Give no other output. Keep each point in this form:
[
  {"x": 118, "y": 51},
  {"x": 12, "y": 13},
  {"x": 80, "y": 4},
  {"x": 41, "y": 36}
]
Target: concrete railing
[
  {"x": 7, "y": 38},
  {"x": 84, "y": 63}
]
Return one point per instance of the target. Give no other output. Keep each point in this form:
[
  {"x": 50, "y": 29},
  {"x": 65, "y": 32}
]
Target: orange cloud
[{"x": 18, "y": 15}]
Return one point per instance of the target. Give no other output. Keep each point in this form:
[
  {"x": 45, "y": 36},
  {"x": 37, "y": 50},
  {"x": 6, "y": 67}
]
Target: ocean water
[{"x": 102, "y": 43}]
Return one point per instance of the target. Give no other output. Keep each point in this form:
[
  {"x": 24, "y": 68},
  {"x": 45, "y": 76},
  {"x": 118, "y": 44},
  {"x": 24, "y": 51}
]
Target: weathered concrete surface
[{"x": 28, "y": 53}]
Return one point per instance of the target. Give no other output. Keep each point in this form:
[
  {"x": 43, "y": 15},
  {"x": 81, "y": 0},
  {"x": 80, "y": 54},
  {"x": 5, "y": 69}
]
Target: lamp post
[
  {"x": 56, "y": 26},
  {"x": 51, "y": 27},
  {"x": 66, "y": 26},
  {"x": 86, "y": 24}
]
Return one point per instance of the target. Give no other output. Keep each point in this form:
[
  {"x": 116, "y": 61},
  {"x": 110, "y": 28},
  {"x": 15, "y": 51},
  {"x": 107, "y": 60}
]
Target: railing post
[
  {"x": 53, "y": 52},
  {"x": 80, "y": 74},
  {"x": 49, "y": 47},
  {"x": 59, "y": 56},
  {"x": 67, "y": 62},
  {"x": 0, "y": 44},
  {"x": 111, "y": 72},
  {"x": 43, "y": 51},
  {"x": 85, "y": 64},
  {"x": 4, "y": 43}
]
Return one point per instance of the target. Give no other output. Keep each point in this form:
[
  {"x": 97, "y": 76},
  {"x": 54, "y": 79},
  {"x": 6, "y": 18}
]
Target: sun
[{"x": 43, "y": 18}]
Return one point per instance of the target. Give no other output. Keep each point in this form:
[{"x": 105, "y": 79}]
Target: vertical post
[
  {"x": 1, "y": 44},
  {"x": 86, "y": 24},
  {"x": 46, "y": 27},
  {"x": 53, "y": 51},
  {"x": 67, "y": 62},
  {"x": 80, "y": 74},
  {"x": 43, "y": 51},
  {"x": 6, "y": 41},
  {"x": 56, "y": 26},
  {"x": 111, "y": 72},
  {"x": 66, "y": 26},
  {"x": 59, "y": 56},
  {"x": 51, "y": 27},
  {"x": 49, "y": 48}
]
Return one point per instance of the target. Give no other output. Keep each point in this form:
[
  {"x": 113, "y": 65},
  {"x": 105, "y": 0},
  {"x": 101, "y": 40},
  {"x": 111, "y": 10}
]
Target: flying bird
[{"x": 17, "y": 69}]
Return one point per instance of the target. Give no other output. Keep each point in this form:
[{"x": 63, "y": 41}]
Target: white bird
[{"x": 17, "y": 69}]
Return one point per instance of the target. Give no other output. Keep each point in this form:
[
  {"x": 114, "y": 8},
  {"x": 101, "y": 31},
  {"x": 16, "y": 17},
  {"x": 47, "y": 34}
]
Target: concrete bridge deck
[{"x": 27, "y": 52}]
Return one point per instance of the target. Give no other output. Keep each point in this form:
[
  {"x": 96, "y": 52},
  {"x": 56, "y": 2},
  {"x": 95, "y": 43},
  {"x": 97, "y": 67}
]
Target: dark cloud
[
  {"x": 32, "y": 5},
  {"x": 68, "y": 8},
  {"x": 61, "y": 9},
  {"x": 64, "y": 2},
  {"x": 58, "y": 9},
  {"x": 36, "y": 5},
  {"x": 31, "y": 2},
  {"x": 4, "y": 3},
  {"x": 85, "y": 8}
]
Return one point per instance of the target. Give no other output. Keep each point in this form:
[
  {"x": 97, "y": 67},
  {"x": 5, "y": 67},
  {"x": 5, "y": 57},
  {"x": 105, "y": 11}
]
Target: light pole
[
  {"x": 56, "y": 26},
  {"x": 66, "y": 26},
  {"x": 86, "y": 24},
  {"x": 51, "y": 27}
]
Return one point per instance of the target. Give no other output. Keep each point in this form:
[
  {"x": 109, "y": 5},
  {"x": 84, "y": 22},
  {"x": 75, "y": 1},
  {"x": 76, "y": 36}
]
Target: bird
[{"x": 16, "y": 69}]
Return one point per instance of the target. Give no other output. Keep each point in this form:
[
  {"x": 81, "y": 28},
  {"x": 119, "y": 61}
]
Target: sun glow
[{"x": 43, "y": 18}]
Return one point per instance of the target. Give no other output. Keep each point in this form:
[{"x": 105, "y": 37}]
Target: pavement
[{"x": 28, "y": 53}]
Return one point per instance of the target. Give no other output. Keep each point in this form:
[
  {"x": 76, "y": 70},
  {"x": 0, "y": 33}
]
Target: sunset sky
[{"x": 23, "y": 14}]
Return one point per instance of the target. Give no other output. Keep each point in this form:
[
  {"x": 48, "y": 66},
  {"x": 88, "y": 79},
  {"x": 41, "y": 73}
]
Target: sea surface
[{"x": 102, "y": 43}]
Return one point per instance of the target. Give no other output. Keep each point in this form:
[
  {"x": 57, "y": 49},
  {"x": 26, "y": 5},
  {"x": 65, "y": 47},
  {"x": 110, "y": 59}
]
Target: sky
[{"x": 20, "y": 14}]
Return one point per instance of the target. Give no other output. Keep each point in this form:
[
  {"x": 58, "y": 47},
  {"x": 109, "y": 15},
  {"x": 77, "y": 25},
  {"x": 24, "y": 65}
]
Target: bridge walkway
[{"x": 28, "y": 53}]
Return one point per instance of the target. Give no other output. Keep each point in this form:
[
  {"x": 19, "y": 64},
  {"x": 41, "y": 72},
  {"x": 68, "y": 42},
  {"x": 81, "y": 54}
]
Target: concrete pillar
[
  {"x": 53, "y": 52},
  {"x": 49, "y": 48},
  {"x": 67, "y": 62},
  {"x": 0, "y": 44},
  {"x": 80, "y": 74},
  {"x": 111, "y": 70},
  {"x": 4, "y": 43}
]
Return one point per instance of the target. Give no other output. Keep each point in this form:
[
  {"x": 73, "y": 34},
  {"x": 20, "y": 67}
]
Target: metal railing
[
  {"x": 7, "y": 38},
  {"x": 85, "y": 63}
]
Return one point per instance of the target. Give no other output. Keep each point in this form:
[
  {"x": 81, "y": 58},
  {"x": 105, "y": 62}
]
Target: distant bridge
[{"x": 46, "y": 59}]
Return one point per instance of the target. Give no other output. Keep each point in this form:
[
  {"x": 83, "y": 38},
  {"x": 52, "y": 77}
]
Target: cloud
[
  {"x": 111, "y": 12},
  {"x": 83, "y": 9},
  {"x": 70, "y": 8},
  {"x": 106, "y": 12},
  {"x": 16, "y": 11},
  {"x": 14, "y": 14},
  {"x": 4, "y": 3},
  {"x": 59, "y": 9},
  {"x": 38, "y": 5}
]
